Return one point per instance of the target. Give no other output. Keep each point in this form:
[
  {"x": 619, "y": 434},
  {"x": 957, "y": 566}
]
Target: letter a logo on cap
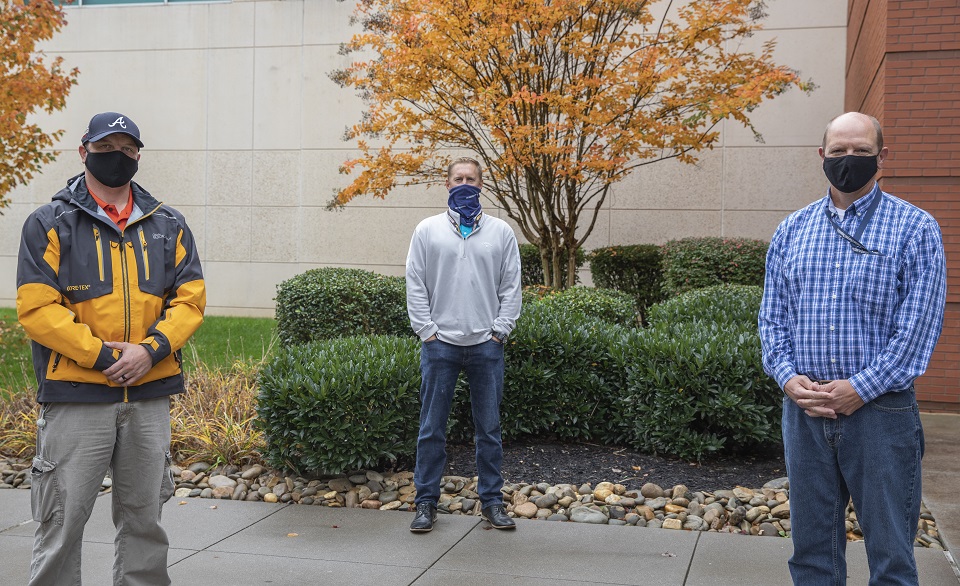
[{"x": 118, "y": 121}]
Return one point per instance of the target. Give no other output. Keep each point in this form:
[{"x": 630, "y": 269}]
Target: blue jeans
[
  {"x": 872, "y": 456},
  {"x": 440, "y": 365}
]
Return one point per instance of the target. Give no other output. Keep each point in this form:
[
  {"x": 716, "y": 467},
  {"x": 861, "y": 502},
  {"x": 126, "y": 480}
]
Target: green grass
[
  {"x": 219, "y": 343},
  {"x": 16, "y": 369},
  {"x": 222, "y": 341}
]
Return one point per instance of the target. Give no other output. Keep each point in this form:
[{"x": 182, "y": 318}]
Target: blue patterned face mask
[{"x": 465, "y": 200}]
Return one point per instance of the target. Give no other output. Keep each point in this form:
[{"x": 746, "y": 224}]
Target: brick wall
[{"x": 903, "y": 66}]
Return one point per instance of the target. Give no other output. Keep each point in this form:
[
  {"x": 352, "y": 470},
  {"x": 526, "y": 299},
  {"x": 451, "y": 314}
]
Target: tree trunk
[
  {"x": 554, "y": 258},
  {"x": 571, "y": 266}
]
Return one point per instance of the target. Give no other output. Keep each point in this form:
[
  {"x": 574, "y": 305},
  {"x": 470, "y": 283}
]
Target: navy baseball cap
[{"x": 107, "y": 123}]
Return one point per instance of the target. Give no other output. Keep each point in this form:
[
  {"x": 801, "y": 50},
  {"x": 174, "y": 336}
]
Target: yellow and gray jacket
[{"x": 81, "y": 281}]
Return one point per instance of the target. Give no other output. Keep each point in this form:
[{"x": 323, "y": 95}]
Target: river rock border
[{"x": 747, "y": 511}]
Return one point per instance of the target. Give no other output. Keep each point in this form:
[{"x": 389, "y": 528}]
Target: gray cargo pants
[{"x": 77, "y": 443}]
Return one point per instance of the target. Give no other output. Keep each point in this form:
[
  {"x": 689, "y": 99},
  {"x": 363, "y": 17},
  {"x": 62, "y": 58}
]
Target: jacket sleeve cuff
[
  {"x": 105, "y": 359},
  {"x": 156, "y": 349}
]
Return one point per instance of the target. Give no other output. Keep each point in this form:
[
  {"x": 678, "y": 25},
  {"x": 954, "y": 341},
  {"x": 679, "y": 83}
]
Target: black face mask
[
  {"x": 113, "y": 169},
  {"x": 850, "y": 172}
]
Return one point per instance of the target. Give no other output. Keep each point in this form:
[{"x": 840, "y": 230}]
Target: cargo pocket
[
  {"x": 45, "y": 503},
  {"x": 166, "y": 482}
]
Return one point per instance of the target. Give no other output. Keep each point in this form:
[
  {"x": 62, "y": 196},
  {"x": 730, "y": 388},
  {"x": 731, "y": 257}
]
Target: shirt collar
[
  {"x": 122, "y": 213},
  {"x": 454, "y": 218},
  {"x": 857, "y": 207}
]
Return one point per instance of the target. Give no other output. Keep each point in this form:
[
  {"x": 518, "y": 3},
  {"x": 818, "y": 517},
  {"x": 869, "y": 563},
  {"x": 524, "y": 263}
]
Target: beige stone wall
[{"x": 243, "y": 132}]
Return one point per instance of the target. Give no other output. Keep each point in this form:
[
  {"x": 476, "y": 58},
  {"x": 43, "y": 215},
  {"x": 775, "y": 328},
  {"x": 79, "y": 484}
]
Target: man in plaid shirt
[{"x": 852, "y": 308}]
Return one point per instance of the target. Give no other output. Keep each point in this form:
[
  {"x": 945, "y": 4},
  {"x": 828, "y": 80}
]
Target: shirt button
[
  {"x": 837, "y": 265},
  {"x": 834, "y": 296},
  {"x": 831, "y": 328},
  {"x": 833, "y": 360}
]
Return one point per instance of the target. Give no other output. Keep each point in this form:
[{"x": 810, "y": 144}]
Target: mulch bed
[{"x": 578, "y": 463}]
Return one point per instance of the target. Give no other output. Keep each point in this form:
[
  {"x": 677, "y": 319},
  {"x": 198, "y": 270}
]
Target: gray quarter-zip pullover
[{"x": 463, "y": 289}]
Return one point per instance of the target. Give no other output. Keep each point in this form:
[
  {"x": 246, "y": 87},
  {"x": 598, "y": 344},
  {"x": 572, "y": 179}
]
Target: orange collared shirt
[{"x": 119, "y": 217}]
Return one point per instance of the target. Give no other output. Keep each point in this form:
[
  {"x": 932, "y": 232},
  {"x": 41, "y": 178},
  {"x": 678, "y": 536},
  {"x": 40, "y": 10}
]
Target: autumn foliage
[
  {"x": 559, "y": 99},
  {"x": 28, "y": 85}
]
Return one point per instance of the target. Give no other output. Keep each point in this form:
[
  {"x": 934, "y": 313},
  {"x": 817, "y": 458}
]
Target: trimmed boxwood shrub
[
  {"x": 691, "y": 385},
  {"x": 558, "y": 375},
  {"x": 608, "y": 305},
  {"x": 558, "y": 379},
  {"x": 694, "y": 263},
  {"x": 634, "y": 269},
  {"x": 726, "y": 304},
  {"x": 693, "y": 391},
  {"x": 693, "y": 381},
  {"x": 332, "y": 302},
  {"x": 341, "y": 404},
  {"x": 531, "y": 269},
  {"x": 533, "y": 293}
]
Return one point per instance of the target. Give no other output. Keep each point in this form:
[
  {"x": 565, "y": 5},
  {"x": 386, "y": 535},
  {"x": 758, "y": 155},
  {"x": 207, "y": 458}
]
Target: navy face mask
[
  {"x": 465, "y": 200},
  {"x": 850, "y": 172}
]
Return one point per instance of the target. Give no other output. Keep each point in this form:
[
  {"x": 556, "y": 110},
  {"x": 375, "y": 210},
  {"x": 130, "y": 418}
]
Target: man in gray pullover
[{"x": 463, "y": 299}]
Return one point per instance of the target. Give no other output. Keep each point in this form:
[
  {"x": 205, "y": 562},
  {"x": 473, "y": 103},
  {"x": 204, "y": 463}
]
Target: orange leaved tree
[
  {"x": 559, "y": 99},
  {"x": 28, "y": 85}
]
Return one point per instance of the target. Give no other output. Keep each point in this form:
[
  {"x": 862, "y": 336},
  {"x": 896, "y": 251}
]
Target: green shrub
[
  {"x": 693, "y": 381},
  {"x": 332, "y": 302},
  {"x": 635, "y": 270},
  {"x": 696, "y": 389},
  {"x": 724, "y": 304},
  {"x": 694, "y": 263},
  {"x": 341, "y": 404},
  {"x": 558, "y": 378},
  {"x": 691, "y": 385},
  {"x": 531, "y": 269},
  {"x": 533, "y": 293},
  {"x": 606, "y": 304}
]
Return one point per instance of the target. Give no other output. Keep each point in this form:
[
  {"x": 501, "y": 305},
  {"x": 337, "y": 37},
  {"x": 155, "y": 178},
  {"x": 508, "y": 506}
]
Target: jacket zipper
[
  {"x": 56, "y": 361},
  {"x": 96, "y": 238},
  {"x": 126, "y": 281},
  {"x": 143, "y": 248},
  {"x": 126, "y": 298}
]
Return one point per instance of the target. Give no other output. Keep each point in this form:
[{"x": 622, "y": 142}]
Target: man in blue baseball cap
[
  {"x": 110, "y": 149},
  {"x": 109, "y": 288}
]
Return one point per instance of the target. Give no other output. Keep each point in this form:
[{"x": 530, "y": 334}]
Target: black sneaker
[
  {"x": 497, "y": 516},
  {"x": 426, "y": 516}
]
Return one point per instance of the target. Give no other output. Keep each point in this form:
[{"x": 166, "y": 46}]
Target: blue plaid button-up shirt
[{"x": 832, "y": 313}]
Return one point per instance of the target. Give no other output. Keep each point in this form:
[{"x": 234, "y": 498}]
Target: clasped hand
[
  {"x": 823, "y": 399},
  {"x": 134, "y": 362}
]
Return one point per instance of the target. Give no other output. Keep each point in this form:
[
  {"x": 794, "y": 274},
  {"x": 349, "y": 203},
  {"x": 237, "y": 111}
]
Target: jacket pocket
[
  {"x": 155, "y": 255},
  {"x": 167, "y": 486},
  {"x": 45, "y": 502},
  {"x": 86, "y": 270}
]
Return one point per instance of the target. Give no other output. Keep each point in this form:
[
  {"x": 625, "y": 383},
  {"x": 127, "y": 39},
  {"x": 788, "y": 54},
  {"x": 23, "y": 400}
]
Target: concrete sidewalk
[{"x": 258, "y": 543}]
